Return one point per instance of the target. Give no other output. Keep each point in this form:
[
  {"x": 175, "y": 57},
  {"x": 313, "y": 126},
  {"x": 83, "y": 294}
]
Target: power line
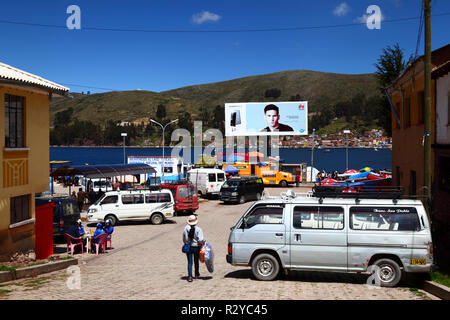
[{"x": 299, "y": 28}]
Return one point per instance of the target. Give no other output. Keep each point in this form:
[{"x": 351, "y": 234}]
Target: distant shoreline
[{"x": 155, "y": 147}]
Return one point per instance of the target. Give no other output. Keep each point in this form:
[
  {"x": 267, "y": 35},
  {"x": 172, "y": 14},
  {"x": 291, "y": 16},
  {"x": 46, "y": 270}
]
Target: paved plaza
[{"x": 146, "y": 263}]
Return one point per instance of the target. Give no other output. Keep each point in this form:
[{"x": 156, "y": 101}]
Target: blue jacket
[
  {"x": 97, "y": 232},
  {"x": 109, "y": 230},
  {"x": 81, "y": 230}
]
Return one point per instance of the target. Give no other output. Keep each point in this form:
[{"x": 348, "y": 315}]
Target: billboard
[{"x": 266, "y": 118}]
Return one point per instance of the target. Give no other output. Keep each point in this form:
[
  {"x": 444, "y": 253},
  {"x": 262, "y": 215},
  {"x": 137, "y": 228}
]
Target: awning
[{"x": 103, "y": 171}]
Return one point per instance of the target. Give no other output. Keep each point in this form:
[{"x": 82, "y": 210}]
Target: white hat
[
  {"x": 192, "y": 220},
  {"x": 79, "y": 221}
]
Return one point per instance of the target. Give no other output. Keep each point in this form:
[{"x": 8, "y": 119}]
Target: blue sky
[{"x": 158, "y": 61}]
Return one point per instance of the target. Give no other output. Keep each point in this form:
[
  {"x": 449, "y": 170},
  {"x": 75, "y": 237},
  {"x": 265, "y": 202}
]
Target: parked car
[
  {"x": 185, "y": 196},
  {"x": 139, "y": 204},
  {"x": 208, "y": 181},
  {"x": 242, "y": 189},
  {"x": 65, "y": 213},
  {"x": 384, "y": 237}
]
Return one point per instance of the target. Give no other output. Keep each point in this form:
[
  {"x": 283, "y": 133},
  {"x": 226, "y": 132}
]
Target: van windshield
[
  {"x": 231, "y": 183},
  {"x": 185, "y": 192}
]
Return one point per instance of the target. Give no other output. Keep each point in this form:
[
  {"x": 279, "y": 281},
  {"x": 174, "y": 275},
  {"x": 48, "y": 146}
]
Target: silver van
[
  {"x": 155, "y": 206},
  {"x": 384, "y": 237}
]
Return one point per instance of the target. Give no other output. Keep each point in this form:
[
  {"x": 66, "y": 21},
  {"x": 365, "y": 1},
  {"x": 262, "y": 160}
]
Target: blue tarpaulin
[{"x": 231, "y": 169}]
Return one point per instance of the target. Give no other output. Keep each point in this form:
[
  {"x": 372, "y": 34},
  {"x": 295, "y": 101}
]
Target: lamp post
[
  {"x": 312, "y": 156},
  {"x": 346, "y": 132},
  {"x": 123, "y": 134},
  {"x": 163, "y": 129}
]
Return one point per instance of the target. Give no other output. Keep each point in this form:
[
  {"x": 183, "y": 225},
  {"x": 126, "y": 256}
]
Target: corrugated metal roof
[{"x": 10, "y": 73}]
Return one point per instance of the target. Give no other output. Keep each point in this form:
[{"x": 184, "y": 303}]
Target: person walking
[
  {"x": 80, "y": 199},
  {"x": 193, "y": 234}
]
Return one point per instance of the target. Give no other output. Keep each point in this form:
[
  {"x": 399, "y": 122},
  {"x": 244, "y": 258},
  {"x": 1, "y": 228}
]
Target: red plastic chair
[
  {"x": 101, "y": 242},
  {"x": 73, "y": 242},
  {"x": 108, "y": 239}
]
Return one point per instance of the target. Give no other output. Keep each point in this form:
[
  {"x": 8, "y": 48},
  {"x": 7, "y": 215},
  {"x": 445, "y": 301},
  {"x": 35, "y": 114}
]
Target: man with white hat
[{"x": 193, "y": 234}]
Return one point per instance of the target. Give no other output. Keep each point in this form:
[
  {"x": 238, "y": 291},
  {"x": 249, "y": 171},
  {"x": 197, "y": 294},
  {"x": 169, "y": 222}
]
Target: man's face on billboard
[{"x": 272, "y": 118}]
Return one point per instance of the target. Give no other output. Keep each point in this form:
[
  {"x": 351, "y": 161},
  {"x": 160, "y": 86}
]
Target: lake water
[{"x": 330, "y": 159}]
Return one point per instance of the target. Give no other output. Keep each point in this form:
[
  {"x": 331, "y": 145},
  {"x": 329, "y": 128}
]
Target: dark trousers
[{"x": 192, "y": 256}]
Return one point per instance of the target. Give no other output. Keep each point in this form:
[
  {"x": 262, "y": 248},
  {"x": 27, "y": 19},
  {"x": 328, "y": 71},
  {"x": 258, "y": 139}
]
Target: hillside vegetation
[{"x": 331, "y": 97}]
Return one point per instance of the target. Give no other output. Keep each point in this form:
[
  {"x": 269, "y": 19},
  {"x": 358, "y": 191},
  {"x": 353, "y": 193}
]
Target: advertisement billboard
[{"x": 266, "y": 118}]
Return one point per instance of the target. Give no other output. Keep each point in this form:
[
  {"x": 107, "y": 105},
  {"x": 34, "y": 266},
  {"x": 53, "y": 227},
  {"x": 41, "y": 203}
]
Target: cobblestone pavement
[{"x": 146, "y": 263}]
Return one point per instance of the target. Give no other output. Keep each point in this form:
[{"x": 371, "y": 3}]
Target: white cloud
[
  {"x": 341, "y": 10},
  {"x": 205, "y": 16}
]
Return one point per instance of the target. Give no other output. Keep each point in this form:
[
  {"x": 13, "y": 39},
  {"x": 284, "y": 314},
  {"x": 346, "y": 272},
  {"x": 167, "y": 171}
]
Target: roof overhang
[
  {"x": 103, "y": 171},
  {"x": 15, "y": 77}
]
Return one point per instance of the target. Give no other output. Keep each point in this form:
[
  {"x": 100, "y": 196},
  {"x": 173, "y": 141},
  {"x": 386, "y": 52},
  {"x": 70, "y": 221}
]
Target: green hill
[
  {"x": 318, "y": 88},
  {"x": 335, "y": 101}
]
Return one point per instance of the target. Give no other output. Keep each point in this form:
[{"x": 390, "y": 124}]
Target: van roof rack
[
  {"x": 366, "y": 192},
  {"x": 178, "y": 182}
]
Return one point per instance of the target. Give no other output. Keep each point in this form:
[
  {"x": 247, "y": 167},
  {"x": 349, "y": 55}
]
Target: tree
[
  {"x": 272, "y": 93},
  {"x": 390, "y": 65},
  {"x": 63, "y": 118},
  {"x": 161, "y": 112}
]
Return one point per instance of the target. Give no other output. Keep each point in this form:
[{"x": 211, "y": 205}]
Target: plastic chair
[
  {"x": 101, "y": 242},
  {"x": 108, "y": 239},
  {"x": 73, "y": 242}
]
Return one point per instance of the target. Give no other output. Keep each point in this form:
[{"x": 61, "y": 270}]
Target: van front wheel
[
  {"x": 112, "y": 218},
  {"x": 265, "y": 267},
  {"x": 157, "y": 218}
]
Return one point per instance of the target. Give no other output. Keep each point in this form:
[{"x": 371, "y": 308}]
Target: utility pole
[
  {"x": 312, "y": 156},
  {"x": 427, "y": 112}
]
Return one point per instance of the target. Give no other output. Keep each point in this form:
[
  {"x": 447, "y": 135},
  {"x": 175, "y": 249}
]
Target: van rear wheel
[
  {"x": 387, "y": 272},
  {"x": 157, "y": 218},
  {"x": 265, "y": 267}
]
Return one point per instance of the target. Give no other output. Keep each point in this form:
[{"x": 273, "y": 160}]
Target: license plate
[{"x": 419, "y": 261}]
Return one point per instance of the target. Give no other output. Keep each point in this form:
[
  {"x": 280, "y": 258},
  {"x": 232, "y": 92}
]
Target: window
[
  {"x": 14, "y": 121},
  {"x": 384, "y": 218},
  {"x": 444, "y": 173},
  {"x": 164, "y": 197},
  {"x": 20, "y": 208},
  {"x": 448, "y": 108},
  {"x": 212, "y": 177},
  {"x": 168, "y": 170},
  {"x": 397, "y": 110},
  {"x": 412, "y": 183},
  {"x": 69, "y": 208},
  {"x": 132, "y": 198},
  {"x": 407, "y": 112},
  {"x": 264, "y": 215},
  {"x": 110, "y": 199},
  {"x": 318, "y": 218},
  {"x": 220, "y": 177},
  {"x": 151, "y": 198},
  {"x": 421, "y": 105}
]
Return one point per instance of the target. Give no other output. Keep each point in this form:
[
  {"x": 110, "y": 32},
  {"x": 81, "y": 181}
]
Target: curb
[
  {"x": 437, "y": 290},
  {"x": 33, "y": 271}
]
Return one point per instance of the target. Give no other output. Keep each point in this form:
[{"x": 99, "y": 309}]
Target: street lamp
[
  {"x": 163, "y": 129},
  {"x": 346, "y": 132},
  {"x": 312, "y": 156},
  {"x": 123, "y": 134}
]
